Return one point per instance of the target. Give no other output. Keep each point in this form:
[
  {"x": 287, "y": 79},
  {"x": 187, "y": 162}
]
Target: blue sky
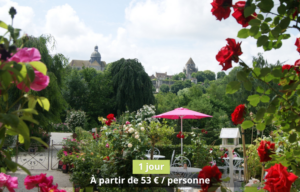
[{"x": 161, "y": 34}]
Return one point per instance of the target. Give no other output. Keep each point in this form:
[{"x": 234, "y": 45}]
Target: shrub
[{"x": 75, "y": 119}]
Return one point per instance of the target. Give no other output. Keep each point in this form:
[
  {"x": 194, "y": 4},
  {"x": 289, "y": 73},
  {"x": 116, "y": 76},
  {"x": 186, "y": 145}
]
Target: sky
[{"x": 161, "y": 34}]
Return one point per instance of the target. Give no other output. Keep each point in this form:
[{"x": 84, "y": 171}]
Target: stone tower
[{"x": 190, "y": 68}]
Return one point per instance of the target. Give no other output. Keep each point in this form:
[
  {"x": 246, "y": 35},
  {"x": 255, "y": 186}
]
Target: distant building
[
  {"x": 163, "y": 78},
  {"x": 190, "y": 68},
  {"x": 95, "y": 62}
]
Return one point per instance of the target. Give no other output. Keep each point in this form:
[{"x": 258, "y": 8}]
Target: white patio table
[
  {"x": 185, "y": 172},
  {"x": 155, "y": 157}
]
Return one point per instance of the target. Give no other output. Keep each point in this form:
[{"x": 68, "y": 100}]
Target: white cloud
[{"x": 161, "y": 34}]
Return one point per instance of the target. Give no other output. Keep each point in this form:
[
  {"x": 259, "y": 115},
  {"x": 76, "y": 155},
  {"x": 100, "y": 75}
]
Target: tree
[
  {"x": 164, "y": 88},
  {"x": 210, "y": 75},
  {"x": 179, "y": 76},
  {"x": 131, "y": 84},
  {"x": 200, "y": 76},
  {"x": 55, "y": 65},
  {"x": 221, "y": 74}
]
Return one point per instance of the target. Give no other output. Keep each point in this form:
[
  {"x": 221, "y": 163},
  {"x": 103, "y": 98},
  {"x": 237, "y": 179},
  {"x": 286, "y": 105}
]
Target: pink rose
[
  {"x": 26, "y": 55},
  {"x": 46, "y": 184},
  {"x": 39, "y": 83},
  {"x": 33, "y": 181},
  {"x": 12, "y": 183},
  {"x": 107, "y": 145},
  {"x": 3, "y": 179},
  {"x": 66, "y": 153},
  {"x": 127, "y": 122}
]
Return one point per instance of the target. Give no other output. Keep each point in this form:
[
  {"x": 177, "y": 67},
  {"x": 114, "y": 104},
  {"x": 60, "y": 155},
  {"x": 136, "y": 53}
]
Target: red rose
[
  {"x": 278, "y": 179},
  {"x": 203, "y": 130},
  {"x": 108, "y": 122},
  {"x": 178, "y": 136},
  {"x": 237, "y": 116},
  {"x": 228, "y": 53},
  {"x": 106, "y": 158},
  {"x": 297, "y": 43},
  {"x": 296, "y": 66},
  {"x": 182, "y": 136},
  {"x": 225, "y": 155},
  {"x": 238, "y": 13},
  {"x": 110, "y": 116},
  {"x": 284, "y": 67},
  {"x": 211, "y": 172},
  {"x": 265, "y": 149},
  {"x": 221, "y": 8}
]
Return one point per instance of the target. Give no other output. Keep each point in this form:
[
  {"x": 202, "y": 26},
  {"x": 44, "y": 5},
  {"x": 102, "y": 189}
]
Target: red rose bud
[
  {"x": 237, "y": 116},
  {"x": 182, "y": 136}
]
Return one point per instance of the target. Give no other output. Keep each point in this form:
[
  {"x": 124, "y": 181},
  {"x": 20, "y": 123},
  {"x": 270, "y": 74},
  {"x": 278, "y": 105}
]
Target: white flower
[
  {"x": 142, "y": 129},
  {"x": 104, "y": 128},
  {"x": 131, "y": 130},
  {"x": 136, "y": 133},
  {"x": 137, "y": 136},
  {"x": 140, "y": 124},
  {"x": 129, "y": 145}
]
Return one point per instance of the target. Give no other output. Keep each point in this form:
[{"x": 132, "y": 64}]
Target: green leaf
[
  {"x": 259, "y": 89},
  {"x": 9, "y": 119},
  {"x": 266, "y": 5},
  {"x": 257, "y": 35},
  {"x": 30, "y": 72},
  {"x": 6, "y": 79},
  {"x": 275, "y": 32},
  {"x": 284, "y": 23},
  {"x": 268, "y": 19},
  {"x": 41, "y": 67},
  {"x": 27, "y": 110},
  {"x": 44, "y": 103},
  {"x": 286, "y": 36},
  {"x": 269, "y": 77},
  {"x": 249, "y": 10},
  {"x": 265, "y": 99},
  {"x": 31, "y": 102},
  {"x": 261, "y": 126},
  {"x": 254, "y": 22},
  {"x": 257, "y": 71},
  {"x": 260, "y": 113},
  {"x": 243, "y": 33},
  {"x": 2, "y": 137},
  {"x": 261, "y": 40},
  {"x": 10, "y": 164},
  {"x": 260, "y": 16},
  {"x": 242, "y": 76},
  {"x": 253, "y": 30},
  {"x": 3, "y": 25},
  {"x": 268, "y": 45},
  {"x": 254, "y": 100},
  {"x": 39, "y": 140},
  {"x": 232, "y": 87},
  {"x": 281, "y": 9},
  {"x": 226, "y": 179},
  {"x": 248, "y": 85},
  {"x": 247, "y": 124},
  {"x": 292, "y": 138},
  {"x": 20, "y": 139},
  {"x": 27, "y": 118},
  {"x": 268, "y": 91},
  {"x": 277, "y": 44},
  {"x": 264, "y": 28},
  {"x": 264, "y": 72},
  {"x": 277, "y": 72}
]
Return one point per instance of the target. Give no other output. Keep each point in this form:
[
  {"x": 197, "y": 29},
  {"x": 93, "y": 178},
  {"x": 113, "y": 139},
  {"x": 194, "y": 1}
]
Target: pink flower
[
  {"x": 26, "y": 55},
  {"x": 3, "y": 179},
  {"x": 54, "y": 189},
  {"x": 114, "y": 119},
  {"x": 127, "y": 122},
  {"x": 107, "y": 145},
  {"x": 33, "y": 181},
  {"x": 39, "y": 83},
  {"x": 73, "y": 140},
  {"x": 65, "y": 138},
  {"x": 12, "y": 183},
  {"x": 66, "y": 153},
  {"x": 46, "y": 184}
]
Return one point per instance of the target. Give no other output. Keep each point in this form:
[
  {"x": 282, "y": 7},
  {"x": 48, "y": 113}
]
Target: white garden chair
[
  {"x": 172, "y": 158},
  {"x": 179, "y": 162},
  {"x": 155, "y": 152}
]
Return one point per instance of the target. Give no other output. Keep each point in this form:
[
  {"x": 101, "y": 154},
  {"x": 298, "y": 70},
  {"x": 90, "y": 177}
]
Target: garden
[{"x": 251, "y": 129}]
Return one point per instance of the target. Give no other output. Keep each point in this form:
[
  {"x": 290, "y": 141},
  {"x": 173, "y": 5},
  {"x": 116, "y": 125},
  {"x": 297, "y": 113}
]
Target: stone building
[
  {"x": 190, "y": 68},
  {"x": 94, "y": 62},
  {"x": 163, "y": 78}
]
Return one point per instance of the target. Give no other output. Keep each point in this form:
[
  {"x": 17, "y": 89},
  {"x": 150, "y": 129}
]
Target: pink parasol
[{"x": 182, "y": 113}]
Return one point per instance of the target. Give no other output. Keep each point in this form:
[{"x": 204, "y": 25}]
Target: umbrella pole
[{"x": 181, "y": 138}]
